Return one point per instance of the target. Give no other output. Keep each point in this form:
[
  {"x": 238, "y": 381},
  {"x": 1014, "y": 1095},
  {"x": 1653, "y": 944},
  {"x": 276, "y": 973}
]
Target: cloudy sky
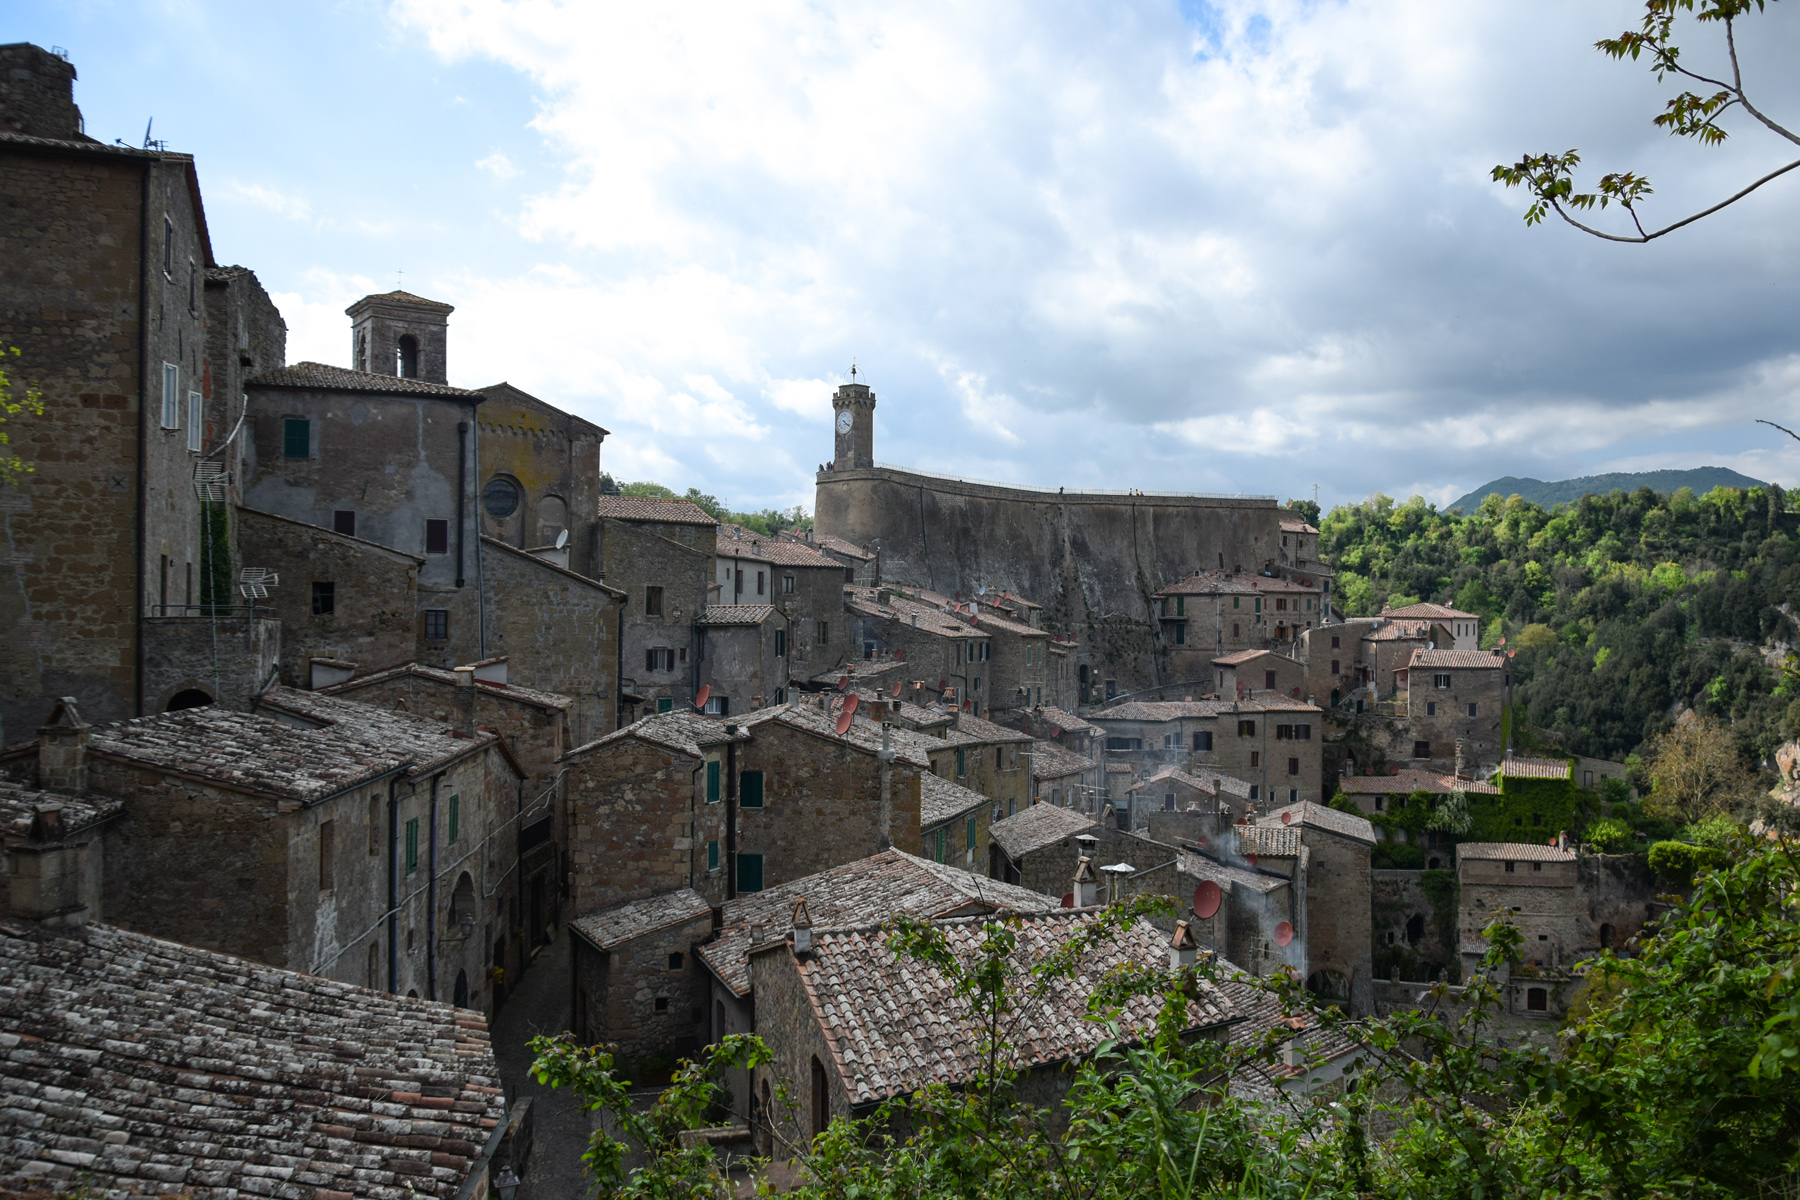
[{"x": 1233, "y": 247}]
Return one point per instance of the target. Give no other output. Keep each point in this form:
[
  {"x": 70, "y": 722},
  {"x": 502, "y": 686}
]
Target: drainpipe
[
  {"x": 731, "y": 813},
  {"x": 143, "y": 431},
  {"x": 431, "y": 897},
  {"x": 480, "y": 587},
  {"x": 886, "y": 755},
  {"x": 393, "y": 888},
  {"x": 619, "y": 671},
  {"x": 462, "y": 498}
]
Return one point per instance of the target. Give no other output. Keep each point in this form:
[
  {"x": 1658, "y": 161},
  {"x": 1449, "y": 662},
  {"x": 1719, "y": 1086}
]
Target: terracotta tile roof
[
  {"x": 1535, "y": 768},
  {"x": 627, "y": 922},
  {"x": 681, "y": 730},
  {"x": 1400, "y": 631},
  {"x": 1514, "y": 851},
  {"x": 1429, "y": 612},
  {"x": 1320, "y": 816},
  {"x": 858, "y": 893},
  {"x": 135, "y": 1066},
  {"x": 1296, "y": 525},
  {"x": 1210, "y": 583},
  {"x": 1276, "y": 841},
  {"x": 1068, "y": 722},
  {"x": 1051, "y": 761},
  {"x": 1267, "y": 583},
  {"x": 914, "y": 613},
  {"x": 1210, "y": 782},
  {"x": 1242, "y": 656},
  {"x": 735, "y": 614},
  {"x": 1189, "y": 862},
  {"x": 426, "y": 744},
  {"x": 860, "y": 670},
  {"x": 1119, "y": 769},
  {"x": 505, "y": 691},
  {"x": 1231, "y": 785},
  {"x": 1161, "y": 710},
  {"x": 1409, "y": 780},
  {"x": 1036, "y": 827},
  {"x": 18, "y": 803},
  {"x": 399, "y": 297},
  {"x": 941, "y": 800},
  {"x": 734, "y": 541},
  {"x": 1457, "y": 659},
  {"x": 987, "y": 620},
  {"x": 832, "y": 542},
  {"x": 863, "y": 734},
  {"x": 653, "y": 508},
  {"x": 973, "y": 730},
  {"x": 321, "y": 377},
  {"x": 895, "y": 1024}
]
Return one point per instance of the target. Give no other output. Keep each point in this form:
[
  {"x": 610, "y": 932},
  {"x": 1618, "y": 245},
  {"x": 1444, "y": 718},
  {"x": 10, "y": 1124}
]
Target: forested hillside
[{"x": 1623, "y": 608}]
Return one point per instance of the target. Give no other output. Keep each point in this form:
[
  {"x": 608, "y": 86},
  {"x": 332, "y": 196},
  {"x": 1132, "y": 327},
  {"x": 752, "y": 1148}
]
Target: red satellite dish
[
  {"x": 1068, "y": 900},
  {"x": 1284, "y": 933},
  {"x": 701, "y": 696},
  {"x": 850, "y": 703},
  {"x": 1251, "y": 859},
  {"x": 1055, "y": 731},
  {"x": 1206, "y": 899},
  {"x": 1203, "y": 841},
  {"x": 843, "y": 724},
  {"x": 1286, "y": 818},
  {"x": 844, "y": 684},
  {"x": 896, "y": 689}
]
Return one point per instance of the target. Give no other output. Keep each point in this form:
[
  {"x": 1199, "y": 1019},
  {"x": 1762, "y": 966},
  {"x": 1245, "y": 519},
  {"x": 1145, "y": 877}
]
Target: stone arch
[
  {"x": 821, "y": 1098},
  {"x": 1328, "y": 984},
  {"x": 1415, "y": 929},
  {"x": 462, "y": 900},
  {"x": 406, "y": 356},
  {"x": 552, "y": 519},
  {"x": 192, "y": 697},
  {"x": 461, "y": 999}
]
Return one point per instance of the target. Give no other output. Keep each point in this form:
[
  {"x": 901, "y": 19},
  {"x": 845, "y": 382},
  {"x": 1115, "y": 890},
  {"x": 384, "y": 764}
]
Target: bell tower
[
  {"x": 398, "y": 333},
  {"x": 853, "y": 410}
]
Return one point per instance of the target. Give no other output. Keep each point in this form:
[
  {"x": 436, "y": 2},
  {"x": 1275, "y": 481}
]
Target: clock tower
[{"x": 853, "y": 409}]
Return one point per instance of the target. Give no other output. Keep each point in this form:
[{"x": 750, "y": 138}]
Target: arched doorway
[
  {"x": 1329, "y": 985},
  {"x": 821, "y": 1099},
  {"x": 188, "y": 698},
  {"x": 462, "y": 905},
  {"x": 462, "y": 989}
]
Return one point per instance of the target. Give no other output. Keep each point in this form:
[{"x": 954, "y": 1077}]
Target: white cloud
[
  {"x": 499, "y": 166},
  {"x": 292, "y": 207}
]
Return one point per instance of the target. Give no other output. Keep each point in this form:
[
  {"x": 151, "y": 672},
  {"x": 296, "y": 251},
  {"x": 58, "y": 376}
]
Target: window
[
  {"x": 171, "y": 408},
  {"x": 718, "y": 706},
  {"x": 455, "y": 821},
  {"x": 1537, "y": 866},
  {"x": 196, "y": 415},
  {"x": 749, "y": 873},
  {"x": 1537, "y": 1000},
  {"x": 962, "y": 761},
  {"x": 1293, "y": 766},
  {"x": 1280, "y": 604},
  {"x": 324, "y": 598},
  {"x": 1284, "y": 733},
  {"x": 821, "y": 1100},
  {"x": 406, "y": 357},
  {"x": 344, "y": 521},
  {"x": 1472, "y": 713},
  {"x": 712, "y": 855},
  {"x": 168, "y": 248},
  {"x": 1234, "y": 629},
  {"x": 824, "y": 633},
  {"x": 437, "y": 624},
  {"x": 1255, "y": 791},
  {"x": 787, "y": 585},
  {"x": 1421, "y": 749},
  {"x": 296, "y": 437},
  {"x": 1334, "y": 667},
  {"x": 659, "y": 658},
  {"x": 662, "y": 1004},
  {"x": 759, "y": 583},
  {"x": 1380, "y": 803},
  {"x": 976, "y": 684},
  {"x": 412, "y": 845},
  {"x": 1203, "y": 740},
  {"x": 437, "y": 537},
  {"x": 1256, "y": 758},
  {"x": 1181, "y": 606},
  {"x": 1293, "y": 795},
  {"x": 653, "y": 602},
  {"x": 374, "y": 825},
  {"x": 664, "y": 704},
  {"x": 939, "y": 840},
  {"x": 500, "y": 497},
  {"x": 1510, "y": 867},
  {"x": 327, "y": 837},
  {"x": 675, "y": 961},
  {"x": 1431, "y": 708},
  {"x": 712, "y": 781},
  {"x": 849, "y": 575},
  {"x": 1334, "y": 644},
  {"x": 1269, "y": 680},
  {"x": 1441, "y": 681},
  {"x": 781, "y": 643},
  {"x": 1181, "y": 635},
  {"x": 750, "y": 789},
  {"x": 1246, "y": 728},
  {"x": 1119, "y": 743},
  {"x": 1235, "y": 600},
  {"x": 1259, "y": 604}
]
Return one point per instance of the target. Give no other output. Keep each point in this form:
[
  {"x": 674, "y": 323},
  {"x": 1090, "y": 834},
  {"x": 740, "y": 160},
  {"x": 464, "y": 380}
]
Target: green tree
[
  {"x": 15, "y": 398},
  {"x": 1549, "y": 177},
  {"x": 1695, "y": 773}
]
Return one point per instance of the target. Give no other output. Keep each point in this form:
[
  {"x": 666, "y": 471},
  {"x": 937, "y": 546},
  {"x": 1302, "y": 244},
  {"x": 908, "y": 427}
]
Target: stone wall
[
  {"x": 1411, "y": 942},
  {"x": 557, "y": 629},
  {"x": 1336, "y": 902},
  {"x": 1440, "y": 716},
  {"x": 678, "y": 559},
  {"x": 632, "y": 813},
  {"x": 230, "y": 658},
  {"x": 636, "y": 997},
  {"x": 785, "y": 1022},
  {"x": 373, "y": 620},
  {"x": 552, "y": 458},
  {"x": 37, "y": 93}
]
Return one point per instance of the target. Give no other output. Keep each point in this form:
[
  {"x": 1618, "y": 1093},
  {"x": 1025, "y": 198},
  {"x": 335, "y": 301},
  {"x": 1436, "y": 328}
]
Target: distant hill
[{"x": 1561, "y": 491}]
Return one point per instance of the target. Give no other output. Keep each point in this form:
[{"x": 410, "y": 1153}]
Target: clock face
[{"x": 845, "y": 420}]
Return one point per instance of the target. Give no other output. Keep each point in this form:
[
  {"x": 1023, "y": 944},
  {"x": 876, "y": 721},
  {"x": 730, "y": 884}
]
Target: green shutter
[
  {"x": 962, "y": 763},
  {"x": 712, "y": 782},
  {"x": 940, "y": 845},
  {"x": 412, "y": 845},
  {"x": 749, "y": 873},
  {"x": 664, "y": 704},
  {"x": 296, "y": 437},
  {"x": 971, "y": 833},
  {"x": 750, "y": 789},
  {"x": 455, "y": 803},
  {"x": 712, "y": 855}
]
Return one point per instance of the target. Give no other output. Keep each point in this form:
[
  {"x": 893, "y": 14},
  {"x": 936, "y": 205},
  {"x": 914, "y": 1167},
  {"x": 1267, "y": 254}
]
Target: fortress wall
[{"x": 1084, "y": 556}]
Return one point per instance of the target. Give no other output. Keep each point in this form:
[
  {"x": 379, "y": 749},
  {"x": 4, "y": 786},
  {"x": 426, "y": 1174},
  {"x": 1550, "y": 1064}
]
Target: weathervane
[{"x": 853, "y": 370}]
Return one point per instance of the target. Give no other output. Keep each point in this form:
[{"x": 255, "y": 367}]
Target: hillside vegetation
[
  {"x": 1624, "y": 608},
  {"x": 1564, "y": 491}
]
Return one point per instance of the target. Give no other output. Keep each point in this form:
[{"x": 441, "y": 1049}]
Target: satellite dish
[
  {"x": 1251, "y": 859},
  {"x": 1068, "y": 900},
  {"x": 562, "y": 539},
  {"x": 1055, "y": 732},
  {"x": 702, "y": 696},
  {"x": 844, "y": 684},
  {"x": 895, "y": 689},
  {"x": 1203, "y": 841},
  {"x": 1284, "y": 933},
  {"x": 1206, "y": 899},
  {"x": 1287, "y": 817},
  {"x": 850, "y": 703},
  {"x": 843, "y": 722}
]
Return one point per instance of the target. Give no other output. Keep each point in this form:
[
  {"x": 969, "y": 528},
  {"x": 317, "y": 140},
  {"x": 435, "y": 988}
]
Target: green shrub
[
  {"x": 1397, "y": 856},
  {"x": 1717, "y": 832},
  {"x": 1679, "y": 862},
  {"x": 1609, "y": 835},
  {"x": 1344, "y": 803}
]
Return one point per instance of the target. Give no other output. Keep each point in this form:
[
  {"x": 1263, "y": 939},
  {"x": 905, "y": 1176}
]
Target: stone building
[
  {"x": 947, "y": 654},
  {"x": 106, "y": 295},
  {"x": 1331, "y": 882},
  {"x": 141, "y": 1067},
  {"x": 1270, "y": 742},
  {"x": 558, "y": 629},
  {"x": 341, "y": 839},
  {"x": 1335, "y": 660},
  {"x": 805, "y": 585},
  {"x": 660, "y": 553},
  {"x": 744, "y": 652},
  {"x": 1451, "y": 628},
  {"x": 1036, "y": 849},
  {"x": 638, "y": 984},
  {"x": 861, "y": 564},
  {"x": 1207, "y": 614},
  {"x": 1065, "y": 778},
  {"x": 1170, "y": 789},
  {"x": 953, "y": 823},
  {"x": 851, "y": 1022},
  {"x": 540, "y": 476},
  {"x": 1247, "y": 672},
  {"x": 1387, "y": 652},
  {"x": 1455, "y": 697},
  {"x": 53, "y": 832},
  {"x": 1534, "y": 889},
  {"x": 1389, "y": 794}
]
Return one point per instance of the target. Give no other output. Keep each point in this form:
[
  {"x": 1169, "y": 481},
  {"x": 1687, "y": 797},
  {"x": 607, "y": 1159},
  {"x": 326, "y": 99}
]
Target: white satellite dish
[{"x": 562, "y": 539}]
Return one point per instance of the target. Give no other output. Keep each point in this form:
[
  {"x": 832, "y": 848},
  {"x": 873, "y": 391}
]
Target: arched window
[
  {"x": 406, "y": 357},
  {"x": 1415, "y": 929},
  {"x": 1606, "y": 936},
  {"x": 362, "y": 351},
  {"x": 821, "y": 1099},
  {"x": 188, "y": 698},
  {"x": 553, "y": 518},
  {"x": 462, "y": 903},
  {"x": 462, "y": 989}
]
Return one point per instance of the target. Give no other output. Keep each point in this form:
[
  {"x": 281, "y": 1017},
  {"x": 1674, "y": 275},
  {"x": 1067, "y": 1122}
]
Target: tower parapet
[{"x": 853, "y": 409}]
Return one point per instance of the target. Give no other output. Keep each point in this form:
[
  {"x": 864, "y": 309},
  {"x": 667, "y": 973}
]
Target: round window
[{"x": 500, "y": 497}]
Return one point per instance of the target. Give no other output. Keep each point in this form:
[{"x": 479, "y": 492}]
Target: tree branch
[
  {"x": 1783, "y": 428},
  {"x": 1705, "y": 212},
  {"x": 1731, "y": 45}
]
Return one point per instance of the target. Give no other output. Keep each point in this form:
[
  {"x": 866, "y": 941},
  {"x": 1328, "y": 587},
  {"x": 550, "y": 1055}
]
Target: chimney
[
  {"x": 1183, "y": 949},
  {"x": 46, "y": 873},
  {"x": 464, "y": 719},
  {"x": 803, "y": 940},
  {"x": 62, "y": 749},
  {"x": 1084, "y": 883}
]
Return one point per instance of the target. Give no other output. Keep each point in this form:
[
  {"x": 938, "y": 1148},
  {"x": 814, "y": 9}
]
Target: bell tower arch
[{"x": 853, "y": 414}]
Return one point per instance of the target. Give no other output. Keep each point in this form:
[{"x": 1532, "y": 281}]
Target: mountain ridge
[{"x": 1562, "y": 491}]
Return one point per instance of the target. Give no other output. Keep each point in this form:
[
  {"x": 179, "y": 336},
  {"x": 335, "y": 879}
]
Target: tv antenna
[{"x": 254, "y": 582}]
